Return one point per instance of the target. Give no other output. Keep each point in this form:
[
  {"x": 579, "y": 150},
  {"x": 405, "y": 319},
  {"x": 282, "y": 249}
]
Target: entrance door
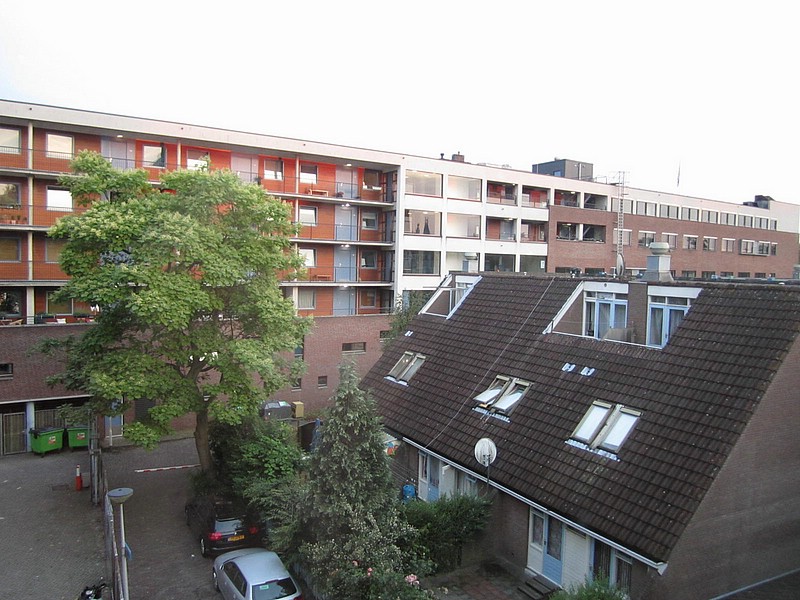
[
  {"x": 14, "y": 435},
  {"x": 113, "y": 428},
  {"x": 346, "y": 221},
  {"x": 554, "y": 543},
  {"x": 344, "y": 260},
  {"x": 344, "y": 301},
  {"x": 535, "y": 541}
]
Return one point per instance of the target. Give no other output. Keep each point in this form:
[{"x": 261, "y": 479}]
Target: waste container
[
  {"x": 77, "y": 436},
  {"x": 46, "y": 440}
]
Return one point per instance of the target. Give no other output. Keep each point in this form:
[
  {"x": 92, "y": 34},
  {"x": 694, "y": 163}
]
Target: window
[
  {"x": 668, "y": 211},
  {"x": 606, "y": 426},
  {"x": 6, "y": 370},
  {"x": 422, "y": 222},
  {"x": 58, "y": 307},
  {"x": 421, "y": 262},
  {"x": 762, "y": 249},
  {"x": 372, "y": 179},
  {"x": 306, "y": 299},
  {"x": 689, "y": 274},
  {"x": 503, "y": 395},
  {"x": 665, "y": 315},
  {"x": 743, "y": 274},
  {"x": 369, "y": 298},
  {"x": 308, "y": 174},
  {"x": 690, "y": 242},
  {"x": 726, "y": 273},
  {"x": 154, "y": 155},
  {"x": 604, "y": 311},
  {"x": 59, "y": 199},
  {"x": 246, "y": 167},
  {"x": 762, "y": 223},
  {"x": 322, "y": 381},
  {"x": 773, "y": 249},
  {"x": 309, "y": 256},
  {"x": 407, "y": 366},
  {"x": 354, "y": 347},
  {"x": 646, "y": 238},
  {"x": 10, "y": 141},
  {"x": 710, "y": 244},
  {"x": 709, "y": 216},
  {"x": 709, "y": 274},
  {"x": 760, "y": 275},
  {"x": 300, "y": 352},
  {"x": 611, "y": 565},
  {"x": 369, "y": 259},
  {"x": 52, "y": 249},
  {"x": 728, "y": 245},
  {"x": 9, "y": 249},
  {"x": 627, "y": 205},
  {"x": 297, "y": 383},
  {"x": 9, "y": 195},
  {"x": 626, "y": 236},
  {"x": 727, "y": 218},
  {"x": 369, "y": 219},
  {"x": 197, "y": 160},
  {"x": 463, "y": 188},
  {"x": 671, "y": 239},
  {"x": 745, "y": 221},
  {"x": 308, "y": 215},
  {"x": 10, "y": 302},
  {"x": 690, "y": 214},
  {"x": 747, "y": 247},
  {"x": 423, "y": 184},
  {"x": 646, "y": 208},
  {"x": 273, "y": 169},
  {"x": 59, "y": 146}
]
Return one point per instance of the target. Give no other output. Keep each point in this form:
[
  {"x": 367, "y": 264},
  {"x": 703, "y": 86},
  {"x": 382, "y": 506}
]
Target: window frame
[
  {"x": 53, "y": 193},
  {"x": 309, "y": 174},
  {"x": 354, "y": 347},
  {"x": 406, "y": 367},
  {"x": 307, "y": 209},
  {"x": 275, "y": 174},
  {"x": 503, "y": 395},
  {"x": 313, "y": 299},
  {"x": 160, "y": 162},
  {"x": 5, "y": 200},
  {"x": 309, "y": 256},
  {"x": 15, "y": 133},
  {"x": 12, "y": 240},
  {"x": 607, "y": 426},
  {"x": 369, "y": 220},
  {"x": 55, "y": 139},
  {"x": 6, "y": 370}
]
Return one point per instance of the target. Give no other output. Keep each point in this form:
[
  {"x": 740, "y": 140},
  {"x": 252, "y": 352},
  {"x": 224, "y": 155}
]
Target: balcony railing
[
  {"x": 31, "y": 270},
  {"x": 16, "y": 160},
  {"x": 333, "y": 274},
  {"x": 337, "y": 232}
]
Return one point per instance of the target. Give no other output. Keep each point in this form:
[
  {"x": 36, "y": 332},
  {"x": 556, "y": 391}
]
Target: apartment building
[{"x": 374, "y": 224}]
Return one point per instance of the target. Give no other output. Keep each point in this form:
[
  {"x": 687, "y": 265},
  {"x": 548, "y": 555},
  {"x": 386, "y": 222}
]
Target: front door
[
  {"x": 554, "y": 542},
  {"x": 535, "y": 541},
  {"x": 346, "y": 221},
  {"x": 344, "y": 260}
]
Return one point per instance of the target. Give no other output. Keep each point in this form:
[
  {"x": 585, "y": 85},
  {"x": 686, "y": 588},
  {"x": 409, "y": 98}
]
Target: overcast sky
[{"x": 634, "y": 87}]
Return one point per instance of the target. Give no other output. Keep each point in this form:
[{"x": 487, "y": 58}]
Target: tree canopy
[{"x": 186, "y": 275}]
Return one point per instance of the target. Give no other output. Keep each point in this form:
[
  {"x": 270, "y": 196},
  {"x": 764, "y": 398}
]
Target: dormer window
[
  {"x": 405, "y": 368},
  {"x": 606, "y": 426},
  {"x": 503, "y": 395}
]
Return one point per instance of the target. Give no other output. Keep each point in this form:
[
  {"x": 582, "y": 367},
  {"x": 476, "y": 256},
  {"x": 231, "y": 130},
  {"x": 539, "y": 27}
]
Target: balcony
[
  {"x": 534, "y": 197},
  {"x": 501, "y": 229},
  {"x": 26, "y": 271},
  {"x": 501, "y": 193},
  {"x": 328, "y": 231}
]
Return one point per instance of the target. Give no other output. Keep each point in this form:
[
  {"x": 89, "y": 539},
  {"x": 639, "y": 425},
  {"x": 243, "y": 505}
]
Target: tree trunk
[{"x": 201, "y": 442}]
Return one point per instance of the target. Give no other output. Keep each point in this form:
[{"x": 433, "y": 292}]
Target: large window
[
  {"x": 669, "y": 211},
  {"x": 309, "y": 256},
  {"x": 9, "y": 249},
  {"x": 606, "y": 426},
  {"x": 197, "y": 160},
  {"x": 646, "y": 238},
  {"x": 369, "y": 259},
  {"x": 690, "y": 242},
  {"x": 626, "y": 236},
  {"x": 647, "y": 209},
  {"x": 612, "y": 565},
  {"x": 59, "y": 146},
  {"x": 728, "y": 245},
  {"x": 710, "y": 244},
  {"x": 154, "y": 155},
  {"x": 306, "y": 299},
  {"x": 671, "y": 239},
  {"x": 308, "y": 174},
  {"x": 369, "y": 219},
  {"x": 421, "y": 262},
  {"x": 273, "y": 169},
  {"x": 10, "y": 141},
  {"x": 463, "y": 188},
  {"x": 665, "y": 315},
  {"x": 423, "y": 222},
  {"x": 423, "y": 184},
  {"x": 405, "y": 368},
  {"x": 604, "y": 311},
  {"x": 308, "y": 215},
  {"x": 59, "y": 199},
  {"x": 372, "y": 179},
  {"x": 58, "y": 307},
  {"x": 690, "y": 214},
  {"x": 9, "y": 195},
  {"x": 727, "y": 218}
]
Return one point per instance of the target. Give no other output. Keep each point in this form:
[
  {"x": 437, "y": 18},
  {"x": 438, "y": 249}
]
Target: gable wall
[{"x": 746, "y": 529}]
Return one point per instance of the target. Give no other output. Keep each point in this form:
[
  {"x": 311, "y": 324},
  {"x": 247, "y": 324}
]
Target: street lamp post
[{"x": 119, "y": 496}]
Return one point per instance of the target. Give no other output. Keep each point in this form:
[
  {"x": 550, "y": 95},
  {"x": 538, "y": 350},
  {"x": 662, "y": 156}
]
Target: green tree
[
  {"x": 186, "y": 275},
  {"x": 404, "y": 311},
  {"x": 355, "y": 542}
]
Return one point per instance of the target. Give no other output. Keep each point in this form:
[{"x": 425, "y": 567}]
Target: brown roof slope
[{"x": 696, "y": 395}]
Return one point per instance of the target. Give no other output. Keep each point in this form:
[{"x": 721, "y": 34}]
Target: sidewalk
[{"x": 51, "y": 536}]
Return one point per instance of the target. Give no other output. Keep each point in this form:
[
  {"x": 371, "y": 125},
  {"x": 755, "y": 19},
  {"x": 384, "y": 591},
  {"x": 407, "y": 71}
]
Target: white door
[{"x": 535, "y": 541}]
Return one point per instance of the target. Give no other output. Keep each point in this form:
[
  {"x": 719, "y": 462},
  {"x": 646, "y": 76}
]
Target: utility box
[{"x": 298, "y": 410}]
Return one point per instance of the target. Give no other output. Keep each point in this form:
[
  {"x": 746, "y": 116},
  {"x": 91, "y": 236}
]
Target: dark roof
[{"x": 696, "y": 395}]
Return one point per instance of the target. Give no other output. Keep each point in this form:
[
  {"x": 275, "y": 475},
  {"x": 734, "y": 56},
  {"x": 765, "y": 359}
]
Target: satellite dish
[{"x": 485, "y": 451}]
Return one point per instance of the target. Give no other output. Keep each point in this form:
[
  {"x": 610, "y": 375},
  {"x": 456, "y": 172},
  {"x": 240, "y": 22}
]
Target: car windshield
[
  {"x": 228, "y": 525},
  {"x": 273, "y": 590}
]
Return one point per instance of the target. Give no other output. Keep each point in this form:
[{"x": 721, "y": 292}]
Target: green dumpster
[
  {"x": 46, "y": 440},
  {"x": 77, "y": 436}
]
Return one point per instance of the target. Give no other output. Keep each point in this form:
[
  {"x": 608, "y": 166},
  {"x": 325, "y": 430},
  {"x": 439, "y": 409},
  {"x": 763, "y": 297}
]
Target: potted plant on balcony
[{"x": 40, "y": 318}]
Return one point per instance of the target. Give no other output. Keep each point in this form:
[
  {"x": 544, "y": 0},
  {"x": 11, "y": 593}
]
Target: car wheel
[
  {"x": 214, "y": 579},
  {"x": 203, "y": 548}
]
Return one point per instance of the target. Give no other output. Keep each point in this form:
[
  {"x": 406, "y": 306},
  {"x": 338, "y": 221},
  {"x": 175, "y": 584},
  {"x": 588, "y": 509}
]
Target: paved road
[{"x": 166, "y": 562}]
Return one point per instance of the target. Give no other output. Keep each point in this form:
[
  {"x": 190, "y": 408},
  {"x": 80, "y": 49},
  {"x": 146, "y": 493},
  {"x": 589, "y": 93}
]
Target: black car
[{"x": 222, "y": 524}]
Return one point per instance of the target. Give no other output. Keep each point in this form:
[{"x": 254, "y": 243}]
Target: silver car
[{"x": 253, "y": 574}]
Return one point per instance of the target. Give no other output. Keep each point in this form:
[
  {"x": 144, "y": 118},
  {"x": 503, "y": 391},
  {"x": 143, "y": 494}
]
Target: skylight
[
  {"x": 503, "y": 395},
  {"x": 606, "y": 426},
  {"x": 405, "y": 368}
]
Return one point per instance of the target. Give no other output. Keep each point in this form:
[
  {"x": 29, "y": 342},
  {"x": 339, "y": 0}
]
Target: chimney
[
  {"x": 458, "y": 157},
  {"x": 658, "y": 263}
]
